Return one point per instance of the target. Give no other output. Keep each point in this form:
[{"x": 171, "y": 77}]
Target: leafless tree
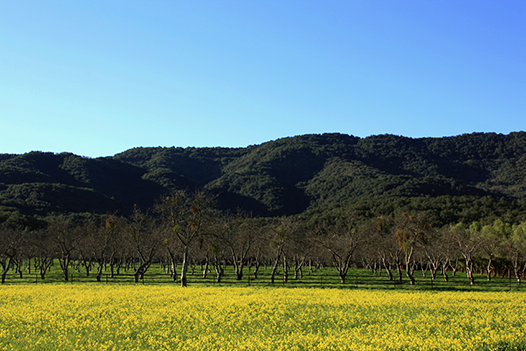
[
  {"x": 236, "y": 234},
  {"x": 341, "y": 240},
  {"x": 467, "y": 240},
  {"x": 187, "y": 216},
  {"x": 380, "y": 242},
  {"x": 145, "y": 235},
  {"x": 517, "y": 250},
  {"x": 12, "y": 240},
  {"x": 64, "y": 237},
  {"x": 278, "y": 233},
  {"x": 492, "y": 241},
  {"x": 410, "y": 232}
]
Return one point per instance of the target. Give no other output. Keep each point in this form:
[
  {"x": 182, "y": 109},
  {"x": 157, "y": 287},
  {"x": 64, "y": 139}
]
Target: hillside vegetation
[{"x": 466, "y": 177}]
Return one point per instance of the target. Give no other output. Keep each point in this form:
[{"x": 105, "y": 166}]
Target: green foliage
[
  {"x": 43, "y": 199},
  {"x": 13, "y": 218},
  {"x": 465, "y": 178},
  {"x": 445, "y": 209}
]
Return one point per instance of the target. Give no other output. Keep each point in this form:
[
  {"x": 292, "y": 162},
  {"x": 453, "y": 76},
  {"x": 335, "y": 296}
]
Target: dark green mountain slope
[
  {"x": 40, "y": 183},
  {"x": 285, "y": 176},
  {"x": 292, "y": 174}
]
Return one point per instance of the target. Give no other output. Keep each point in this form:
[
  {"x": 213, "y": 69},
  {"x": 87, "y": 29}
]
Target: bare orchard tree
[
  {"x": 212, "y": 249},
  {"x": 468, "y": 242},
  {"x": 434, "y": 249},
  {"x": 412, "y": 231},
  {"x": 380, "y": 242},
  {"x": 105, "y": 239},
  {"x": 215, "y": 253},
  {"x": 294, "y": 248},
  {"x": 237, "y": 234},
  {"x": 260, "y": 247},
  {"x": 341, "y": 240},
  {"x": 492, "y": 241},
  {"x": 64, "y": 237},
  {"x": 187, "y": 216},
  {"x": 42, "y": 249},
  {"x": 12, "y": 241},
  {"x": 279, "y": 233},
  {"x": 173, "y": 247},
  {"x": 145, "y": 239},
  {"x": 86, "y": 247},
  {"x": 112, "y": 243},
  {"x": 517, "y": 250},
  {"x": 302, "y": 248}
]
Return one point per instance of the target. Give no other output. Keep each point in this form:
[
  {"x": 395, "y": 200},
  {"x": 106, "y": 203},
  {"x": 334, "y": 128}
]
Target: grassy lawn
[{"x": 321, "y": 278}]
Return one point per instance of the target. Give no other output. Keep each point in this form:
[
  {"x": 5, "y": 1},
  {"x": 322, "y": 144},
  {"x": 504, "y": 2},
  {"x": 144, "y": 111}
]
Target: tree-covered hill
[{"x": 281, "y": 177}]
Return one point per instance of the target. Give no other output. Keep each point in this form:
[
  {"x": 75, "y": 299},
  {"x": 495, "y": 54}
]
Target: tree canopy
[{"x": 467, "y": 177}]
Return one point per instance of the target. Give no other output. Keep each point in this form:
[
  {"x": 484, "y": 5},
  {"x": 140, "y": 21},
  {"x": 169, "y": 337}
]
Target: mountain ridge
[{"x": 281, "y": 177}]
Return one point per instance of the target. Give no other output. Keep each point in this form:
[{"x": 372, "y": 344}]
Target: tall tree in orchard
[
  {"x": 341, "y": 240},
  {"x": 11, "y": 242},
  {"x": 517, "y": 246},
  {"x": 236, "y": 235},
  {"x": 412, "y": 231},
  {"x": 492, "y": 239},
  {"x": 381, "y": 241},
  {"x": 187, "y": 215},
  {"x": 65, "y": 239},
  {"x": 145, "y": 235},
  {"x": 104, "y": 240},
  {"x": 279, "y": 234},
  {"x": 468, "y": 243}
]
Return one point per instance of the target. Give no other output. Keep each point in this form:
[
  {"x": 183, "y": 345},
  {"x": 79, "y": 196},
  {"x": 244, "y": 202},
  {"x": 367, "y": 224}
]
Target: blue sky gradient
[{"x": 98, "y": 77}]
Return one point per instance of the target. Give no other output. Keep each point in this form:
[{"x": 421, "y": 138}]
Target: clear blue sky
[{"x": 99, "y": 77}]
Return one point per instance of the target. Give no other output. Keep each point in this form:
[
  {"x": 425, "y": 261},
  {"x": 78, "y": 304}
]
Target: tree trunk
[
  {"x": 29, "y": 265},
  {"x": 409, "y": 267},
  {"x": 273, "y": 272},
  {"x": 5, "y": 268},
  {"x": 205, "y": 268},
  {"x": 64, "y": 264},
  {"x": 399, "y": 270},
  {"x": 100, "y": 268},
  {"x": 424, "y": 268},
  {"x": 433, "y": 273},
  {"x": 43, "y": 271},
  {"x": 139, "y": 273},
  {"x": 219, "y": 270},
  {"x": 257, "y": 264},
  {"x": 455, "y": 267},
  {"x": 185, "y": 267},
  {"x": 298, "y": 264},
  {"x": 112, "y": 264},
  {"x": 285, "y": 270},
  {"x": 488, "y": 268},
  {"x": 445, "y": 264},
  {"x": 469, "y": 271},
  {"x": 238, "y": 267},
  {"x": 410, "y": 276},
  {"x": 387, "y": 269}
]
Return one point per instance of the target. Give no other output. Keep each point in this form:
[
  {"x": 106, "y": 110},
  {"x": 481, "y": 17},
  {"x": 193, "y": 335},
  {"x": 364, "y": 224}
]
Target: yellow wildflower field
[{"x": 139, "y": 317}]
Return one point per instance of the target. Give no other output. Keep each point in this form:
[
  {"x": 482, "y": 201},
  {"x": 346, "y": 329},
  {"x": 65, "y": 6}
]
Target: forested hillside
[{"x": 463, "y": 177}]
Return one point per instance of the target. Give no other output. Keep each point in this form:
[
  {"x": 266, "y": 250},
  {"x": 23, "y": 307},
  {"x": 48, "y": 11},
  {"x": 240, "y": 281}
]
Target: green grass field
[{"x": 321, "y": 278}]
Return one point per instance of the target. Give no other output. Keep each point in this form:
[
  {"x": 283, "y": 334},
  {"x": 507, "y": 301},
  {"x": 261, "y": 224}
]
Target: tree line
[{"x": 185, "y": 229}]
